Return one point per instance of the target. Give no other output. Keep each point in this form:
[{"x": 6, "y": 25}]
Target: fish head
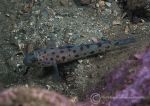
[{"x": 30, "y": 59}]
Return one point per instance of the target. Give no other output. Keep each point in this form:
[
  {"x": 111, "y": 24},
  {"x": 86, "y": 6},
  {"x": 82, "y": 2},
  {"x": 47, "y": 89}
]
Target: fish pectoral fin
[
  {"x": 56, "y": 75},
  {"x": 26, "y": 71}
]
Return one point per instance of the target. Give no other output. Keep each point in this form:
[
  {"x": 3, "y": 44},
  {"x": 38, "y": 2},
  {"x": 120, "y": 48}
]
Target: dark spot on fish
[
  {"x": 84, "y": 53},
  {"x": 51, "y": 48},
  {"x": 76, "y": 55},
  {"x": 108, "y": 46},
  {"x": 63, "y": 57},
  {"x": 92, "y": 52},
  {"x": 88, "y": 46},
  {"x": 81, "y": 48},
  {"x": 74, "y": 51},
  {"x": 39, "y": 53},
  {"x": 46, "y": 58},
  {"x": 99, "y": 44},
  {"x": 61, "y": 51},
  {"x": 52, "y": 59},
  {"x": 53, "y": 53},
  {"x": 69, "y": 55},
  {"x": 44, "y": 52},
  {"x": 99, "y": 50},
  {"x": 70, "y": 46},
  {"x": 40, "y": 59},
  {"x": 57, "y": 56}
]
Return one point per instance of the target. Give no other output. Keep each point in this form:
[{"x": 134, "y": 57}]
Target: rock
[{"x": 82, "y": 2}]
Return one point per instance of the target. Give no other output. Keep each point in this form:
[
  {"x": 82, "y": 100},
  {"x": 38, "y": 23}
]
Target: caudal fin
[{"x": 123, "y": 41}]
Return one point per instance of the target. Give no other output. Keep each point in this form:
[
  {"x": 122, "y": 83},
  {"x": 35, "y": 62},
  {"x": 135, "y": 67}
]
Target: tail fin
[{"x": 123, "y": 41}]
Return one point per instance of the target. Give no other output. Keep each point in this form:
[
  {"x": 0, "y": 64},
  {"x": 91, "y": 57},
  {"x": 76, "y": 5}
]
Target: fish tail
[{"x": 123, "y": 41}]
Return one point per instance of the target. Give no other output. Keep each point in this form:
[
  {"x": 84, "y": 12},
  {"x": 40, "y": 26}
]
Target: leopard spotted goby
[{"x": 46, "y": 57}]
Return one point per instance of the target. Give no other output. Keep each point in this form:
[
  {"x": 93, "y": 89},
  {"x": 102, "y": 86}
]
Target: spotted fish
[{"x": 46, "y": 57}]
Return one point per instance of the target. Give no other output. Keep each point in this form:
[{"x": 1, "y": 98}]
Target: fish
[{"x": 46, "y": 57}]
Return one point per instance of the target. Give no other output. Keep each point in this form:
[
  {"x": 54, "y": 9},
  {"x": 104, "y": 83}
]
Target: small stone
[
  {"x": 95, "y": 40},
  {"x": 80, "y": 61},
  {"x": 26, "y": 85},
  {"x": 48, "y": 87},
  {"x": 85, "y": 2},
  {"x": 70, "y": 34},
  {"x": 126, "y": 30},
  {"x": 101, "y": 4},
  {"x": 97, "y": 5},
  {"x": 116, "y": 22},
  {"x": 100, "y": 56},
  {"x": 18, "y": 65},
  {"x": 108, "y": 4},
  {"x": 7, "y": 15},
  {"x": 74, "y": 99},
  {"x": 64, "y": 2}
]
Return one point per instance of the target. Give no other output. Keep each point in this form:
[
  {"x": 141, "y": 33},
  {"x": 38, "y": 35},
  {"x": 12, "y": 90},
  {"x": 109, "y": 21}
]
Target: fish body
[{"x": 46, "y": 57}]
